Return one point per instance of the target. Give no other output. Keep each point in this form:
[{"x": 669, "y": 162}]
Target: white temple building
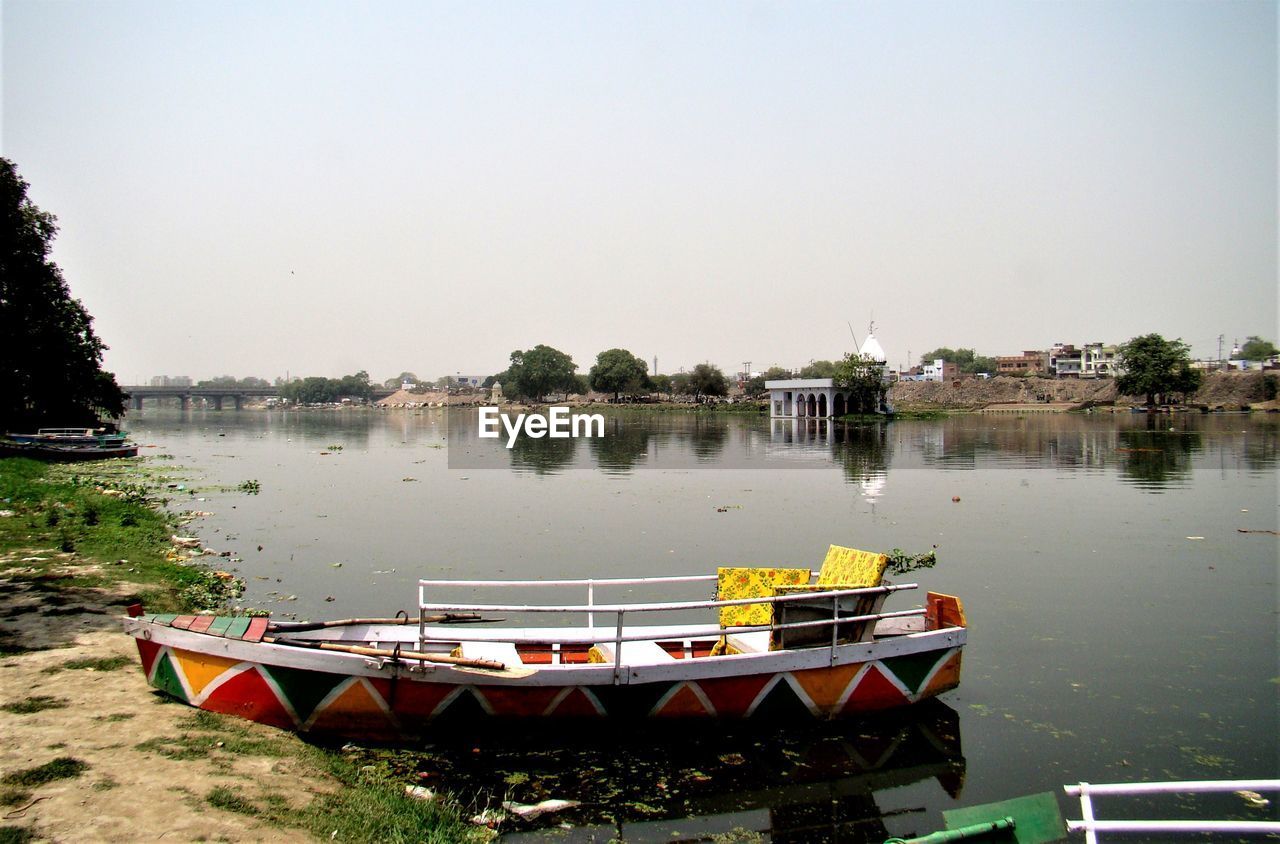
[{"x": 818, "y": 398}]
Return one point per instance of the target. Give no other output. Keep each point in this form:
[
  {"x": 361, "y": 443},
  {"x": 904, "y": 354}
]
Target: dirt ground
[{"x": 127, "y": 792}]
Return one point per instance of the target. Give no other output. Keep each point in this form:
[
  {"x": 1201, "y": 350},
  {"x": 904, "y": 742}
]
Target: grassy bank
[{"x": 79, "y": 542}]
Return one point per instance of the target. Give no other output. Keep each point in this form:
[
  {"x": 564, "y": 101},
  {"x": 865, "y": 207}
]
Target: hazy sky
[{"x": 257, "y": 187}]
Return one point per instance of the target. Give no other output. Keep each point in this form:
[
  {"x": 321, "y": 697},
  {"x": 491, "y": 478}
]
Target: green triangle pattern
[
  {"x": 303, "y": 689},
  {"x": 912, "y": 669},
  {"x": 166, "y": 678}
]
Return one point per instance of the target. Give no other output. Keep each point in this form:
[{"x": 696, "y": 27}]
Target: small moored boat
[{"x": 775, "y": 642}]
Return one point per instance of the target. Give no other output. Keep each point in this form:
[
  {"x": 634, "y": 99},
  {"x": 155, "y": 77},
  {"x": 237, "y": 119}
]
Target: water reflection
[
  {"x": 542, "y": 456},
  {"x": 810, "y": 783},
  {"x": 1158, "y": 456},
  {"x": 622, "y": 447}
]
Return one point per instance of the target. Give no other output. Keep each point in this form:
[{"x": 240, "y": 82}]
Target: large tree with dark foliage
[
  {"x": 539, "y": 371},
  {"x": 50, "y": 360},
  {"x": 1156, "y": 368},
  {"x": 618, "y": 371}
]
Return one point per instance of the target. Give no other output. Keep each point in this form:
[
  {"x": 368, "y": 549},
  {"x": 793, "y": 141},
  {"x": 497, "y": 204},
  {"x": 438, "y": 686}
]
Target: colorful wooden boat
[
  {"x": 65, "y": 453},
  {"x": 774, "y": 645},
  {"x": 101, "y": 437}
]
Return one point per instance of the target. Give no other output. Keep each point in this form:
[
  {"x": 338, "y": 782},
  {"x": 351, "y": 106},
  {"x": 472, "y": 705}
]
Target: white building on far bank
[{"x": 817, "y": 398}]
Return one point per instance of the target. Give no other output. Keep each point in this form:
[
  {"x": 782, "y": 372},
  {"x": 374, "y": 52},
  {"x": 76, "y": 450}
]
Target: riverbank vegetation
[
  {"x": 79, "y": 542},
  {"x": 50, "y": 358}
]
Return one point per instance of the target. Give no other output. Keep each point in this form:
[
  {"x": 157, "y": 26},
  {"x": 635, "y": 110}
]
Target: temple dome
[{"x": 871, "y": 349}]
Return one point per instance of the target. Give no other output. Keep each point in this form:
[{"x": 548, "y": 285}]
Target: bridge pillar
[
  {"x": 137, "y": 402},
  {"x": 239, "y": 401},
  {"x": 217, "y": 402},
  {"x": 186, "y": 401}
]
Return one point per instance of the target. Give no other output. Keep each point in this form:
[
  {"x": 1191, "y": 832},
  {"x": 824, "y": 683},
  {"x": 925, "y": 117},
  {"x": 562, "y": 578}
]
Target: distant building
[
  {"x": 467, "y": 380},
  {"x": 1099, "y": 361},
  {"x": 1065, "y": 361},
  {"x": 171, "y": 381},
  {"x": 1030, "y": 362},
  {"x": 940, "y": 370}
]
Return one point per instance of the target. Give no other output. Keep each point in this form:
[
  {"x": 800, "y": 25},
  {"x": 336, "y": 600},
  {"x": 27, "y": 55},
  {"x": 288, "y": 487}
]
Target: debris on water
[
  {"x": 329, "y": 599},
  {"x": 185, "y": 541},
  {"x": 1195, "y": 538},
  {"x": 1253, "y": 799},
  {"x": 529, "y": 812},
  {"x": 337, "y": 565},
  {"x": 489, "y": 818},
  {"x": 407, "y": 480},
  {"x": 955, "y": 499}
]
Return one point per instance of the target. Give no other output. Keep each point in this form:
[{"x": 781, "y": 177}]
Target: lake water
[{"x": 1123, "y": 626}]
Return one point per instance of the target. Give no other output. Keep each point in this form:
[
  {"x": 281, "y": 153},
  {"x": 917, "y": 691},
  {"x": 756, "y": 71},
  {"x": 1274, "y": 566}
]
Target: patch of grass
[
  {"x": 372, "y": 806},
  {"x": 14, "y": 796},
  {"x": 114, "y": 717},
  {"x": 105, "y": 784},
  {"x": 35, "y": 703},
  {"x": 99, "y": 663},
  {"x": 181, "y": 748},
  {"x": 16, "y": 834},
  {"x": 64, "y": 767},
  {"x": 230, "y": 800}
]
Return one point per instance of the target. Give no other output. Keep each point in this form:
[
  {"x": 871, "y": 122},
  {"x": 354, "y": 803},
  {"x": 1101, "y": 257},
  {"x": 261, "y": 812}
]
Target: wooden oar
[
  {"x": 490, "y": 664},
  {"x": 447, "y": 618}
]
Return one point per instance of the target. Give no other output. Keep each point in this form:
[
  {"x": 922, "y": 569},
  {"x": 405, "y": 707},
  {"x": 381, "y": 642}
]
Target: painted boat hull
[
  {"x": 65, "y": 453},
  {"x": 347, "y": 695}
]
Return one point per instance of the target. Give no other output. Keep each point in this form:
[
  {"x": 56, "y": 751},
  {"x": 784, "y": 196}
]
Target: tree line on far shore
[{"x": 51, "y": 360}]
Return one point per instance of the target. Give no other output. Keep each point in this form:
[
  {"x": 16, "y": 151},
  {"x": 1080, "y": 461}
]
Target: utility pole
[
  {"x": 1220, "y": 336},
  {"x": 655, "y": 364}
]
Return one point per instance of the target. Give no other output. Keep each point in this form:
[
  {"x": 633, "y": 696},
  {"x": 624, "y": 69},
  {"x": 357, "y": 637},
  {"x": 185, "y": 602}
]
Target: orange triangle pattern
[
  {"x": 201, "y": 669},
  {"x": 946, "y": 678},
  {"x": 356, "y": 711},
  {"x": 825, "y": 686}
]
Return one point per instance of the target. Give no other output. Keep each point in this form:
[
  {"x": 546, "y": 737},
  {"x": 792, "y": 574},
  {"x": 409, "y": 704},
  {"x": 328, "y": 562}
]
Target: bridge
[{"x": 214, "y": 395}]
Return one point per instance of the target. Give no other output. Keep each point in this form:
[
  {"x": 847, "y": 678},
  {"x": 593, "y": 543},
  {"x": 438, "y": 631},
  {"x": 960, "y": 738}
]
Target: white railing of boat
[
  {"x": 1092, "y": 826},
  {"x": 619, "y": 611}
]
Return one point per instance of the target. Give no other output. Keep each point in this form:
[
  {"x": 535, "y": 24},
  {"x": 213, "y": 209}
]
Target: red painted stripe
[
  {"x": 183, "y": 622},
  {"x": 257, "y": 629},
  {"x": 201, "y": 623}
]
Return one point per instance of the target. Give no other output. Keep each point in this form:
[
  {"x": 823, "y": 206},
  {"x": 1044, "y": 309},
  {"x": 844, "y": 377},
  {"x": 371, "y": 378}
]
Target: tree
[
  {"x": 539, "y": 371},
  {"x": 50, "y": 358},
  {"x": 394, "y": 383},
  {"x": 618, "y": 371},
  {"x": 755, "y": 387},
  {"x": 662, "y": 384},
  {"x": 967, "y": 360},
  {"x": 864, "y": 379},
  {"x": 1156, "y": 368},
  {"x": 1255, "y": 348},
  {"x": 317, "y": 390},
  {"x": 707, "y": 380},
  {"x": 818, "y": 369}
]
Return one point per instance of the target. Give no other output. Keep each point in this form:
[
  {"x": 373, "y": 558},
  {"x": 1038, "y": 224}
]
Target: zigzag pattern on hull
[{"x": 314, "y": 701}]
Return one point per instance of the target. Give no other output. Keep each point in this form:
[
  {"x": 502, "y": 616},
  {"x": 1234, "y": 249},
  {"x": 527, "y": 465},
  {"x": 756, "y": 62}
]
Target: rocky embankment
[{"x": 1219, "y": 391}]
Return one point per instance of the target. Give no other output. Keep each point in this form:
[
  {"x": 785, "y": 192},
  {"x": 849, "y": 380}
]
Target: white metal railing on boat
[
  {"x": 1092, "y": 826},
  {"x": 621, "y": 610},
  {"x": 590, "y": 583}
]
